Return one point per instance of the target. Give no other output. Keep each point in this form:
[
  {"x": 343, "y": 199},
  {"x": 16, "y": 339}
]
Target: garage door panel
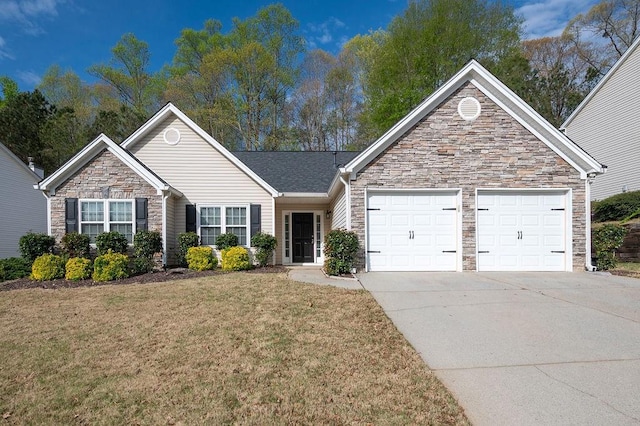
[
  {"x": 417, "y": 230},
  {"x": 523, "y": 232}
]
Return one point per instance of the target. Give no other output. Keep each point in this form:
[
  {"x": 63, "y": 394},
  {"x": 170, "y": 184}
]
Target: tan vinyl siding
[
  {"x": 607, "y": 128},
  {"x": 23, "y": 209},
  {"x": 200, "y": 172},
  {"x": 339, "y": 211},
  {"x": 295, "y": 208}
]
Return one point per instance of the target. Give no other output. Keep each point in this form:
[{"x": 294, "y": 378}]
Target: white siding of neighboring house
[
  {"x": 339, "y": 211},
  {"x": 608, "y": 128},
  {"x": 200, "y": 172},
  {"x": 23, "y": 209}
]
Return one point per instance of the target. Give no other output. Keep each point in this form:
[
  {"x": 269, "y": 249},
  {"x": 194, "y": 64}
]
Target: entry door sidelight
[{"x": 302, "y": 236}]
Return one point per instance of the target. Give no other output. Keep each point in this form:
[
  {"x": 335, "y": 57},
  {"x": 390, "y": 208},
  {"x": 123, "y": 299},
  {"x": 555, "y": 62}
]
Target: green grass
[{"x": 234, "y": 348}]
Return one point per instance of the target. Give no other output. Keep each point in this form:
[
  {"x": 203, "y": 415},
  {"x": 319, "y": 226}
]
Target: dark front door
[{"x": 302, "y": 234}]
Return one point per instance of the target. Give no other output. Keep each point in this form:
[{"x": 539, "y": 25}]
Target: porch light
[{"x": 328, "y": 215}]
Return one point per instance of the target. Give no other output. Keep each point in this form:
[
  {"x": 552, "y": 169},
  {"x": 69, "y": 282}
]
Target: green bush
[
  {"x": 110, "y": 266},
  {"x": 265, "y": 245},
  {"x": 225, "y": 241},
  {"x": 147, "y": 243},
  {"x": 340, "y": 249},
  {"x": 47, "y": 267},
  {"x": 13, "y": 268},
  {"x": 605, "y": 240},
  {"x": 235, "y": 259},
  {"x": 76, "y": 245},
  {"x": 111, "y": 241},
  {"x": 33, "y": 245},
  {"x": 141, "y": 265},
  {"x": 186, "y": 240},
  {"x": 77, "y": 268},
  {"x": 617, "y": 207},
  {"x": 201, "y": 258}
]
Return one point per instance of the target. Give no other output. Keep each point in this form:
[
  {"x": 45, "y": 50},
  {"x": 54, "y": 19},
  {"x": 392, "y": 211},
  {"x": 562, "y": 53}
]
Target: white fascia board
[
  {"x": 170, "y": 108},
  {"x": 304, "y": 195},
  {"x": 601, "y": 83}
]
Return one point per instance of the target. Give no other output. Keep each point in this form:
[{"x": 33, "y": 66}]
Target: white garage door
[
  {"x": 522, "y": 231},
  {"x": 412, "y": 231}
]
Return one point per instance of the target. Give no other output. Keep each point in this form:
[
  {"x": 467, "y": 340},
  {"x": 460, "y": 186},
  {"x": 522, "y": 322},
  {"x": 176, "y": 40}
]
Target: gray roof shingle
[{"x": 296, "y": 171}]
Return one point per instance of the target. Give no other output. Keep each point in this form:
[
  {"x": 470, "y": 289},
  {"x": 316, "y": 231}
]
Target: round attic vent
[
  {"x": 469, "y": 109},
  {"x": 171, "y": 136}
]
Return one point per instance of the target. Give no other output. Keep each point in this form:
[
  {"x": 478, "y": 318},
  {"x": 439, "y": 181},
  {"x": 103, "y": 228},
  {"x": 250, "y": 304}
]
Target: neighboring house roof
[
  {"x": 500, "y": 94},
  {"x": 297, "y": 171},
  {"x": 93, "y": 149},
  {"x": 602, "y": 82},
  {"x": 172, "y": 109},
  {"x": 19, "y": 163}
]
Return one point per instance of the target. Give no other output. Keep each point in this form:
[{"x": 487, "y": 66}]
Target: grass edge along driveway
[{"x": 233, "y": 348}]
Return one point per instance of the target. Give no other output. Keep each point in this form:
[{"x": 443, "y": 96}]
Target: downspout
[
  {"x": 44, "y": 194},
  {"x": 347, "y": 191},
  {"x": 165, "y": 197},
  {"x": 587, "y": 193}
]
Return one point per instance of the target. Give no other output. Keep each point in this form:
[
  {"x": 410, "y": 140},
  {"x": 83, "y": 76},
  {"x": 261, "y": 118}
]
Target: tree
[
  {"x": 604, "y": 33},
  {"x": 21, "y": 120},
  {"x": 128, "y": 73},
  {"x": 426, "y": 45},
  {"x": 117, "y": 125},
  {"x": 9, "y": 90}
]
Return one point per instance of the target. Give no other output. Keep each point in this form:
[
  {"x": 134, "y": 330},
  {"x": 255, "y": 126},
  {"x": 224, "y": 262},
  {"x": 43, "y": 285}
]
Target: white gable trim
[
  {"x": 172, "y": 109},
  {"x": 601, "y": 83},
  {"x": 506, "y": 99},
  {"x": 88, "y": 153}
]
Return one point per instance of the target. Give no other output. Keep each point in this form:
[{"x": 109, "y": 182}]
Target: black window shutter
[
  {"x": 256, "y": 218},
  {"x": 141, "y": 214},
  {"x": 191, "y": 218},
  {"x": 71, "y": 215}
]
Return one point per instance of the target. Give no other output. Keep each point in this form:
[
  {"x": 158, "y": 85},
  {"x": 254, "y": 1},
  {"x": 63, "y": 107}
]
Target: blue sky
[{"x": 76, "y": 34}]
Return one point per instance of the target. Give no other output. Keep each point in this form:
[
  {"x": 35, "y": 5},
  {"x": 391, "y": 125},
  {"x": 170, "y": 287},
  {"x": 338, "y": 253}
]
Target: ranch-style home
[{"x": 473, "y": 179}]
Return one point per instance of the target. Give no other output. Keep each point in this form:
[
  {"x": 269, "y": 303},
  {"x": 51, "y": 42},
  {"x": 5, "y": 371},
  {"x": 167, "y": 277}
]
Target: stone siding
[
  {"x": 494, "y": 151},
  {"x": 105, "y": 177}
]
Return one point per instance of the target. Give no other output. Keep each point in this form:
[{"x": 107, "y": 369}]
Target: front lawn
[{"x": 227, "y": 348}]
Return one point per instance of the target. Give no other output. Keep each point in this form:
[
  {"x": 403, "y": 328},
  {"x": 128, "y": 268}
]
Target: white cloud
[
  {"x": 324, "y": 33},
  {"x": 26, "y": 14},
  {"x": 4, "y": 52},
  {"x": 29, "y": 77},
  {"x": 548, "y": 18}
]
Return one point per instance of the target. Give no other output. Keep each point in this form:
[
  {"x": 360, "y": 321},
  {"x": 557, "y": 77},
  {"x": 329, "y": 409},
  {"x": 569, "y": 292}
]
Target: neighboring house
[
  {"x": 472, "y": 179},
  {"x": 22, "y": 209},
  {"x": 606, "y": 125}
]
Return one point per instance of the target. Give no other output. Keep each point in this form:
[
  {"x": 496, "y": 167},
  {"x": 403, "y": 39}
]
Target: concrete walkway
[
  {"x": 524, "y": 348},
  {"x": 314, "y": 275}
]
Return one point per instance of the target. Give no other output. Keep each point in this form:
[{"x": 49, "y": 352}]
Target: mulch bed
[{"x": 151, "y": 277}]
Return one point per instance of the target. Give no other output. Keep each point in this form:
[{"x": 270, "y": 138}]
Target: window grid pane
[
  {"x": 286, "y": 235},
  {"x": 241, "y": 232},
  {"x": 92, "y": 211},
  {"x": 210, "y": 216},
  {"x": 125, "y": 229},
  {"x": 209, "y": 235},
  {"x": 236, "y": 216},
  {"x": 120, "y": 211},
  {"x": 92, "y": 230},
  {"x": 318, "y": 253}
]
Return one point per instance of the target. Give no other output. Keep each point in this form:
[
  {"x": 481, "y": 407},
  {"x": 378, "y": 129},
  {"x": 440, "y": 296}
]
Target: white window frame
[
  {"x": 106, "y": 222},
  {"x": 223, "y": 220}
]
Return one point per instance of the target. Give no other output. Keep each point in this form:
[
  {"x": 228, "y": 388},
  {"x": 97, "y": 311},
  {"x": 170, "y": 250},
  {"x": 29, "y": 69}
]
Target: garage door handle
[
  {"x": 449, "y": 251},
  {"x": 481, "y": 252},
  {"x": 557, "y": 251}
]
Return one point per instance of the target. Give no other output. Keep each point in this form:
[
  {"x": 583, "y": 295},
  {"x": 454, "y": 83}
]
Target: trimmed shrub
[
  {"x": 76, "y": 245},
  {"x": 111, "y": 241},
  {"x": 47, "y": 267},
  {"x": 13, "y": 268},
  {"x": 145, "y": 245},
  {"x": 77, "y": 268},
  {"x": 110, "y": 266},
  {"x": 201, "y": 258},
  {"x": 605, "y": 240},
  {"x": 33, "y": 245},
  {"x": 265, "y": 245},
  {"x": 186, "y": 240},
  {"x": 225, "y": 241},
  {"x": 340, "y": 249},
  {"x": 617, "y": 207},
  {"x": 235, "y": 259}
]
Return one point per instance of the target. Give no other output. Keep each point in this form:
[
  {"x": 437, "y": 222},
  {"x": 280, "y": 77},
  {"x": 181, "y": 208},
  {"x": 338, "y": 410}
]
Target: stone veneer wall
[
  {"x": 105, "y": 177},
  {"x": 494, "y": 151}
]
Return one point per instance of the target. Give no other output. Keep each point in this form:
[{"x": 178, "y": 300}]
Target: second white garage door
[
  {"x": 412, "y": 231},
  {"x": 522, "y": 231}
]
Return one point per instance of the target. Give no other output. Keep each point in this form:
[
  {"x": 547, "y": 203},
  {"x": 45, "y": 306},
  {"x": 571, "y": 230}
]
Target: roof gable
[
  {"x": 19, "y": 163},
  {"x": 603, "y": 81},
  {"x": 89, "y": 152},
  {"x": 170, "y": 109},
  {"x": 495, "y": 90}
]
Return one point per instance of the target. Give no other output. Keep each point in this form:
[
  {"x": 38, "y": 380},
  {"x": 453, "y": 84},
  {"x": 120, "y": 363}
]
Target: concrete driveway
[{"x": 524, "y": 348}]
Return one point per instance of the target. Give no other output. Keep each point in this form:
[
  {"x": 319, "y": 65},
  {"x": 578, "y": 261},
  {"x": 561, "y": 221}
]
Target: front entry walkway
[{"x": 524, "y": 348}]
